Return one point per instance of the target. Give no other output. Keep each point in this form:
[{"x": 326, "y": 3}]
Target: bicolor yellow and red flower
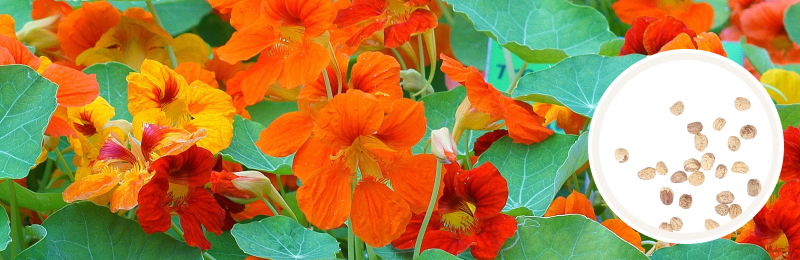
[
  {"x": 468, "y": 215},
  {"x": 177, "y": 188},
  {"x": 650, "y": 35},
  {"x": 397, "y": 20},
  {"x": 485, "y": 106}
]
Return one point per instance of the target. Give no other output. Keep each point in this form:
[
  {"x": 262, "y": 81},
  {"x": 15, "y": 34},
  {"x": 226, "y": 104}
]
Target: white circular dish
[{"x": 634, "y": 113}]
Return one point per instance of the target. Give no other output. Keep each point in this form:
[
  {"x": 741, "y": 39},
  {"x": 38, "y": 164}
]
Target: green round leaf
[
  {"x": 436, "y": 254},
  {"x": 224, "y": 247},
  {"x": 536, "y": 172},
  {"x": 113, "y": 86},
  {"x": 471, "y": 46},
  {"x": 20, "y": 10},
  {"x": 576, "y": 82},
  {"x": 178, "y": 16},
  {"x": 542, "y": 31},
  {"x": 243, "y": 149},
  {"x": 789, "y": 114},
  {"x": 566, "y": 237},
  {"x": 440, "y": 111},
  {"x": 281, "y": 238},
  {"x": 27, "y": 101},
  {"x": 84, "y": 230},
  {"x": 719, "y": 249},
  {"x": 792, "y": 22},
  {"x": 265, "y": 112}
]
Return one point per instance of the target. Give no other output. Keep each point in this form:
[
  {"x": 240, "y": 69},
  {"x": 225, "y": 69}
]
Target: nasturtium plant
[{"x": 318, "y": 129}]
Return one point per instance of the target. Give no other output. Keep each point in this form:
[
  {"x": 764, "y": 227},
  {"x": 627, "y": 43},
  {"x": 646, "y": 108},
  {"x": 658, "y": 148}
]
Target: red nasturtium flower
[
  {"x": 468, "y": 215},
  {"x": 177, "y": 188},
  {"x": 283, "y": 35},
  {"x": 650, "y": 35},
  {"x": 486, "y": 140},
  {"x": 791, "y": 154},
  {"x": 697, "y": 16},
  {"x": 485, "y": 106},
  {"x": 577, "y": 203},
  {"x": 377, "y": 142},
  {"x": 398, "y": 19},
  {"x": 776, "y": 227}
]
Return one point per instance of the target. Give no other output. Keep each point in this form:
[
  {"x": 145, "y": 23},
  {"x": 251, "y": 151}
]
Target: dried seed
[
  {"x": 748, "y": 132},
  {"x": 710, "y": 224},
  {"x": 691, "y": 165},
  {"x": 665, "y": 226},
  {"x": 676, "y": 223},
  {"x": 697, "y": 178},
  {"x": 667, "y": 196},
  {"x": 677, "y": 108},
  {"x": 700, "y": 142},
  {"x": 753, "y": 187},
  {"x": 719, "y": 123},
  {"x": 707, "y": 161},
  {"x": 694, "y": 127},
  {"x": 647, "y": 173},
  {"x": 678, "y": 177},
  {"x": 722, "y": 209},
  {"x": 725, "y": 197},
  {"x": 734, "y": 143},
  {"x": 685, "y": 201},
  {"x": 621, "y": 154},
  {"x": 740, "y": 167},
  {"x": 721, "y": 171},
  {"x": 661, "y": 168},
  {"x": 741, "y": 104},
  {"x": 735, "y": 211}
]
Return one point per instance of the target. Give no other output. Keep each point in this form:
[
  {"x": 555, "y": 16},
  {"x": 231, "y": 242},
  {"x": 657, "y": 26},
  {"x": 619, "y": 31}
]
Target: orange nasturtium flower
[
  {"x": 177, "y": 188},
  {"x": 762, "y": 23},
  {"x": 284, "y": 37},
  {"x": 98, "y": 32},
  {"x": 697, "y": 16},
  {"x": 469, "y": 215},
  {"x": 398, "y": 19},
  {"x": 159, "y": 95},
  {"x": 485, "y": 106},
  {"x": 577, "y": 203},
  {"x": 571, "y": 122},
  {"x": 41, "y": 33},
  {"x": 377, "y": 142},
  {"x": 650, "y": 35},
  {"x": 776, "y": 227}
]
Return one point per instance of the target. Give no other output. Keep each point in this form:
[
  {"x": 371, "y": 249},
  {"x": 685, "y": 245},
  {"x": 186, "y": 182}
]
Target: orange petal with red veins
[
  {"x": 365, "y": 32},
  {"x": 625, "y": 232},
  {"x": 682, "y": 41},
  {"x": 577, "y": 203},
  {"x": 523, "y": 126},
  {"x": 246, "y": 43},
  {"x": 418, "y": 21},
  {"x": 75, "y": 88},
  {"x": 325, "y": 197},
  {"x": 92, "y": 186},
  {"x": 634, "y": 38},
  {"x": 341, "y": 122},
  {"x": 380, "y": 215},
  {"x": 661, "y": 32},
  {"x": 412, "y": 177},
  {"x": 557, "y": 207},
  {"x": 311, "y": 156},
  {"x": 571, "y": 122},
  {"x": 360, "y": 12},
  {"x": 81, "y": 29},
  {"x": 378, "y": 74},
  {"x": 404, "y": 124},
  {"x": 710, "y": 42},
  {"x": 286, "y": 134},
  {"x": 303, "y": 65}
]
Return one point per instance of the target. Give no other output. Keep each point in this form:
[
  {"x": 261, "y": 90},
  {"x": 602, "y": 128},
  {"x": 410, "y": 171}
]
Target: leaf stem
[
  {"x": 509, "y": 67},
  {"x": 271, "y": 208},
  {"x": 172, "y": 59},
  {"x": 514, "y": 81},
  {"x": 445, "y": 11},
  {"x": 48, "y": 173},
  {"x": 66, "y": 167},
  {"x": 176, "y": 229},
  {"x": 359, "y": 249},
  {"x": 428, "y": 214},
  {"x": 371, "y": 253},
  {"x": 18, "y": 243},
  {"x": 327, "y": 83},
  {"x": 399, "y": 59},
  {"x": 280, "y": 185},
  {"x": 351, "y": 238},
  {"x": 468, "y": 162},
  {"x": 208, "y": 256}
]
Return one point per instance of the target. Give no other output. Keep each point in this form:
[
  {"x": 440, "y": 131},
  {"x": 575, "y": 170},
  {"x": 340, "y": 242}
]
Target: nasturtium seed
[
  {"x": 691, "y": 165},
  {"x": 725, "y": 197},
  {"x": 753, "y": 187},
  {"x": 735, "y": 211},
  {"x": 621, "y": 154},
  {"x": 734, "y": 143},
  {"x": 722, "y": 170},
  {"x": 679, "y": 177},
  {"x": 661, "y": 168},
  {"x": 677, "y": 108},
  {"x": 665, "y": 226},
  {"x": 667, "y": 196},
  {"x": 722, "y": 209},
  {"x": 694, "y": 127},
  {"x": 700, "y": 142},
  {"x": 697, "y": 178},
  {"x": 676, "y": 223},
  {"x": 719, "y": 123},
  {"x": 748, "y": 132},
  {"x": 685, "y": 201},
  {"x": 711, "y": 224},
  {"x": 707, "y": 161},
  {"x": 740, "y": 167},
  {"x": 647, "y": 173},
  {"x": 741, "y": 104}
]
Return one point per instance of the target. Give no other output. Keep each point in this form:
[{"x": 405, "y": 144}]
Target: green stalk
[
  {"x": 351, "y": 238},
  {"x": 172, "y": 59},
  {"x": 280, "y": 186},
  {"x": 176, "y": 229},
  {"x": 513, "y": 84},
  {"x": 48, "y": 172},
  {"x": 327, "y": 83},
  {"x": 399, "y": 59},
  {"x": 371, "y": 253},
  {"x": 446, "y": 12},
  {"x": 509, "y": 66},
  {"x": 428, "y": 214},
  {"x": 18, "y": 243},
  {"x": 271, "y": 208},
  {"x": 207, "y": 256},
  {"x": 466, "y": 153},
  {"x": 359, "y": 249},
  {"x": 66, "y": 167}
]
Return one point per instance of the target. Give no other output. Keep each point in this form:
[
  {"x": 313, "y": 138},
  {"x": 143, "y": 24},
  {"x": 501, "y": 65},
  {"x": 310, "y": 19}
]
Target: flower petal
[
  {"x": 483, "y": 187},
  {"x": 791, "y": 154},
  {"x": 189, "y": 47},
  {"x": 286, "y": 134},
  {"x": 557, "y": 207},
  {"x": 523, "y": 125},
  {"x": 192, "y": 71},
  {"x": 247, "y": 42},
  {"x": 577, "y": 203},
  {"x": 418, "y": 21},
  {"x": 377, "y": 74},
  {"x": 191, "y": 167},
  {"x": 412, "y": 178},
  {"x": 680, "y": 42},
  {"x": 341, "y": 122},
  {"x": 92, "y": 186},
  {"x": 494, "y": 232},
  {"x": 404, "y": 124},
  {"x": 634, "y": 38},
  {"x": 304, "y": 64},
  {"x": 359, "y": 12},
  {"x": 314, "y": 16},
  {"x": 380, "y": 215},
  {"x": 785, "y": 81},
  {"x": 75, "y": 88},
  {"x": 311, "y": 156},
  {"x": 81, "y": 29},
  {"x": 256, "y": 80},
  {"x": 661, "y": 32},
  {"x": 152, "y": 215},
  {"x": 621, "y": 229},
  {"x": 324, "y": 197}
]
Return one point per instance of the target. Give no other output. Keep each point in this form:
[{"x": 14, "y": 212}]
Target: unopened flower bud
[
  {"x": 240, "y": 187},
  {"x": 413, "y": 81},
  {"x": 444, "y": 148}
]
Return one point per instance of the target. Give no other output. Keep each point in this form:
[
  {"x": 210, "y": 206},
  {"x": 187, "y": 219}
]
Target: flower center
[
  {"x": 397, "y": 8},
  {"x": 292, "y": 34},
  {"x": 177, "y": 193},
  {"x": 461, "y": 220},
  {"x": 674, "y": 4},
  {"x": 85, "y": 125}
]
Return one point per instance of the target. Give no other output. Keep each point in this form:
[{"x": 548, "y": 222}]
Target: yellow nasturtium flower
[{"x": 787, "y": 82}]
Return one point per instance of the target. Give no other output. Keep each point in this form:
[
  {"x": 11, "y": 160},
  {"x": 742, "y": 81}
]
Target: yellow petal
[
  {"x": 131, "y": 41},
  {"x": 7, "y": 26},
  {"x": 220, "y": 131},
  {"x": 151, "y": 116},
  {"x": 191, "y": 48},
  {"x": 204, "y": 99},
  {"x": 788, "y": 82},
  {"x": 157, "y": 86},
  {"x": 93, "y": 115}
]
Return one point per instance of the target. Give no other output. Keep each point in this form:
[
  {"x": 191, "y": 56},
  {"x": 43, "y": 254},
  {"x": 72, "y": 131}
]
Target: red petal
[
  {"x": 486, "y": 140},
  {"x": 447, "y": 241},
  {"x": 205, "y": 209},
  {"x": 483, "y": 186},
  {"x": 494, "y": 232},
  {"x": 365, "y": 32},
  {"x": 360, "y": 12},
  {"x": 152, "y": 214},
  {"x": 191, "y": 167},
  {"x": 524, "y": 126},
  {"x": 75, "y": 88},
  {"x": 193, "y": 232},
  {"x": 790, "y": 191},
  {"x": 418, "y": 21},
  {"x": 634, "y": 38},
  {"x": 660, "y": 32},
  {"x": 409, "y": 238},
  {"x": 791, "y": 154}
]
